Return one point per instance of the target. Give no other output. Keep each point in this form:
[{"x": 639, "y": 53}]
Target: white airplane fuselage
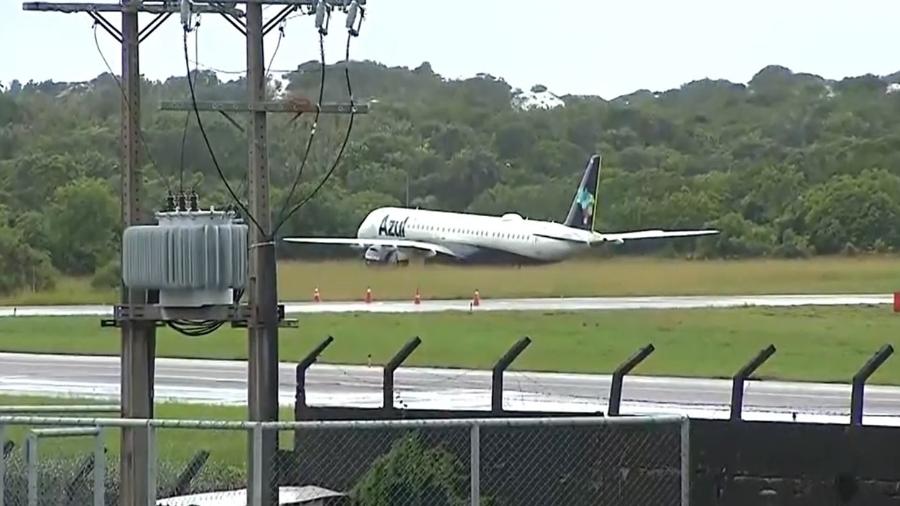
[
  {"x": 472, "y": 237},
  {"x": 396, "y": 234}
]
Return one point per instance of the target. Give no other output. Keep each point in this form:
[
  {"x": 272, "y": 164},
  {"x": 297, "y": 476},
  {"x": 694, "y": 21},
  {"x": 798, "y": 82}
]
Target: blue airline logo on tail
[{"x": 586, "y": 201}]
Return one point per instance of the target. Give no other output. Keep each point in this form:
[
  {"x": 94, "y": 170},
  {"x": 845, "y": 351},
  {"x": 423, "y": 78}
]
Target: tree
[
  {"x": 22, "y": 266},
  {"x": 514, "y": 141},
  {"x": 790, "y": 164},
  {"x": 739, "y": 238},
  {"x": 84, "y": 226},
  {"x": 858, "y": 210}
]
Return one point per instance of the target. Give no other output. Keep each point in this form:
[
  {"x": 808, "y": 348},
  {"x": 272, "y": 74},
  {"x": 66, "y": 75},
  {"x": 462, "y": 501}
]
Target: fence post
[
  {"x": 99, "y": 469},
  {"x": 499, "y": 368},
  {"x": 388, "y": 381},
  {"x": 737, "y": 382},
  {"x": 152, "y": 463},
  {"x": 475, "y": 465},
  {"x": 2, "y": 464},
  {"x": 859, "y": 382},
  {"x": 615, "y": 386},
  {"x": 31, "y": 465},
  {"x": 300, "y": 392},
  {"x": 256, "y": 484},
  {"x": 685, "y": 461}
]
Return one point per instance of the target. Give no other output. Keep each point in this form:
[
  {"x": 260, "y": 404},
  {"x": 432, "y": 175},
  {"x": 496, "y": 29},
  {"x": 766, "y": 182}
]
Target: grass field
[
  {"x": 348, "y": 280},
  {"x": 822, "y": 344}
]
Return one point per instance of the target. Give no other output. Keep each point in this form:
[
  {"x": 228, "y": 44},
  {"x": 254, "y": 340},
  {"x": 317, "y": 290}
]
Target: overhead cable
[{"x": 352, "y": 31}]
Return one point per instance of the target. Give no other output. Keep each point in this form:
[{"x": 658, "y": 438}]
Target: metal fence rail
[{"x": 572, "y": 461}]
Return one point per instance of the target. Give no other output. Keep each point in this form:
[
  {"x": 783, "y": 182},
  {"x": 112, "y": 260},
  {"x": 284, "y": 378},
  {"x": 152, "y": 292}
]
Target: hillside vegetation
[{"x": 787, "y": 165}]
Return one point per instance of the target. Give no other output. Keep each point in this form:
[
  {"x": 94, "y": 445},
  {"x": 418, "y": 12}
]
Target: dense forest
[{"x": 787, "y": 165}]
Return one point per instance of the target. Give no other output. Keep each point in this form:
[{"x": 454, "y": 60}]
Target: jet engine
[
  {"x": 392, "y": 255},
  {"x": 389, "y": 255}
]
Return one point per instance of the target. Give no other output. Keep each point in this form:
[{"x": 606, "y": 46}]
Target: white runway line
[{"x": 538, "y": 304}]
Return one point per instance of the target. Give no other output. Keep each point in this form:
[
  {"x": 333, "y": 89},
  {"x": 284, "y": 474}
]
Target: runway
[
  {"x": 535, "y": 304},
  {"x": 224, "y": 382}
]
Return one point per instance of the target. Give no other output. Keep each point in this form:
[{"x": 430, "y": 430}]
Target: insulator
[
  {"x": 320, "y": 14},
  {"x": 351, "y": 14},
  {"x": 186, "y": 14}
]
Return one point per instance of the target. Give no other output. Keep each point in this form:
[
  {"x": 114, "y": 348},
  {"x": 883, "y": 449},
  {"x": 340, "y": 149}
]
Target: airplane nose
[{"x": 364, "y": 226}]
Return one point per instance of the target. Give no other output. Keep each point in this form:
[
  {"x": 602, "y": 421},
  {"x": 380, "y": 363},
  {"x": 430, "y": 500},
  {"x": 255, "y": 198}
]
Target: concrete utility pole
[
  {"x": 138, "y": 337},
  {"x": 138, "y": 346},
  {"x": 263, "y": 330},
  {"x": 263, "y": 325},
  {"x": 137, "y": 315},
  {"x": 138, "y": 351}
]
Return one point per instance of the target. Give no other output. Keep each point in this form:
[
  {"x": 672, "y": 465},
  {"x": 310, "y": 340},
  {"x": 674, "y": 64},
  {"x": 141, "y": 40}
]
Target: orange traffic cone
[
  {"x": 368, "y": 295},
  {"x": 418, "y": 298},
  {"x": 476, "y": 300},
  {"x": 316, "y": 297}
]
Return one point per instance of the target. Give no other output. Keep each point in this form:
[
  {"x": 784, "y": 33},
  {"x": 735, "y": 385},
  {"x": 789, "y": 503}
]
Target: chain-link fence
[
  {"x": 547, "y": 461},
  {"x": 58, "y": 466}
]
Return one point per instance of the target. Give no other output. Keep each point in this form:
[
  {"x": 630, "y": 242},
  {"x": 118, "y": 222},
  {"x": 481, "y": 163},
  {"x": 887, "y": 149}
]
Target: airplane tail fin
[{"x": 584, "y": 205}]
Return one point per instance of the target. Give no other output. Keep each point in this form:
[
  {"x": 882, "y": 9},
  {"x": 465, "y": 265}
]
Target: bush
[
  {"x": 108, "y": 276},
  {"x": 412, "y": 474},
  {"x": 23, "y": 267},
  {"x": 850, "y": 250},
  {"x": 793, "y": 245}
]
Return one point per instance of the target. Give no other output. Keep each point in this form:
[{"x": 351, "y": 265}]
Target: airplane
[{"x": 394, "y": 235}]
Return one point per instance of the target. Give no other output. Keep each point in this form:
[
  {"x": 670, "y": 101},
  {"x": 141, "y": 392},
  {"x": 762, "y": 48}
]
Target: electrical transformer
[{"x": 194, "y": 257}]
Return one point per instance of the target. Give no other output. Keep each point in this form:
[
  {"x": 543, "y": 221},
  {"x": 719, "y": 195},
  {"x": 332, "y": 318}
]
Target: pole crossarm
[
  {"x": 332, "y": 3},
  {"x": 154, "y": 7},
  {"x": 278, "y": 18},
  {"x": 106, "y": 25},
  {"x": 237, "y": 314},
  {"x": 268, "y": 106},
  {"x": 152, "y": 26},
  {"x": 236, "y": 22}
]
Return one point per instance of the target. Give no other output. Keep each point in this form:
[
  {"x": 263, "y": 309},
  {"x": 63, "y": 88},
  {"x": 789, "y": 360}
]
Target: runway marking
[
  {"x": 526, "y": 304},
  {"x": 222, "y": 382}
]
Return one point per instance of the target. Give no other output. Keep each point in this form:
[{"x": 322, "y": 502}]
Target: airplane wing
[
  {"x": 620, "y": 237},
  {"x": 363, "y": 243}
]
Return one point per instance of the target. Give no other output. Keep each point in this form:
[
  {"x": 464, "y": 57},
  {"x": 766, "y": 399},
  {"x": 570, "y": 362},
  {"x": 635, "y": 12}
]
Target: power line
[
  {"x": 337, "y": 160},
  {"x": 187, "y": 115},
  {"x": 309, "y": 141},
  {"x": 139, "y": 131},
  {"x": 277, "y": 47},
  {"x": 242, "y": 71},
  {"x": 187, "y": 118},
  {"x": 206, "y": 141}
]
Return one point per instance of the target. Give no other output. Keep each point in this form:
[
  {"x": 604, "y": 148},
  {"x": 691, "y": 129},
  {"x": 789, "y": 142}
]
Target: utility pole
[
  {"x": 262, "y": 395},
  {"x": 263, "y": 331},
  {"x": 138, "y": 337},
  {"x": 138, "y": 348},
  {"x": 137, "y": 315}
]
